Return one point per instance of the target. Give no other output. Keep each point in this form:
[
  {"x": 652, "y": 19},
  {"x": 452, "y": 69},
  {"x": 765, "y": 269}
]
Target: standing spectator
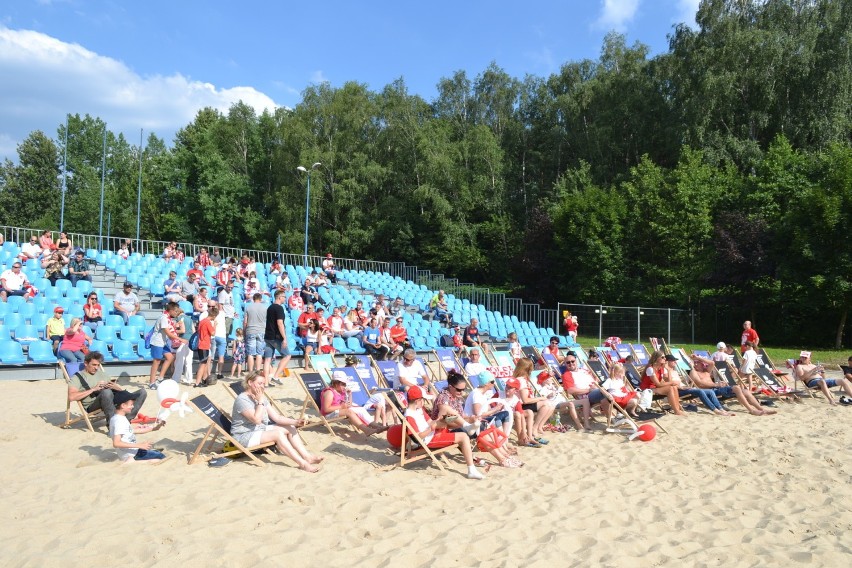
[
  {"x": 226, "y": 304},
  {"x": 201, "y": 304},
  {"x": 239, "y": 354},
  {"x": 126, "y": 302},
  {"x": 749, "y": 334},
  {"x": 220, "y": 343},
  {"x": 571, "y": 327},
  {"x": 329, "y": 268},
  {"x": 124, "y": 250},
  {"x": 73, "y": 342},
  {"x": 93, "y": 313},
  {"x": 205, "y": 342},
  {"x": 749, "y": 362},
  {"x": 164, "y": 342},
  {"x": 54, "y": 330},
  {"x": 183, "y": 354},
  {"x": 275, "y": 339},
  {"x": 78, "y": 269},
  {"x": 254, "y": 325}
]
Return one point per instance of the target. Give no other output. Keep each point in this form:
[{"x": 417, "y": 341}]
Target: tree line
[{"x": 716, "y": 175}]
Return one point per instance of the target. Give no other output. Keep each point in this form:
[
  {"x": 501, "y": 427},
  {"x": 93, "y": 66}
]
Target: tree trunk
[{"x": 838, "y": 339}]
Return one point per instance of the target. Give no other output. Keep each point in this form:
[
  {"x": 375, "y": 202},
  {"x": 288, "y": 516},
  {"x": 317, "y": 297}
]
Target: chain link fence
[{"x": 631, "y": 323}]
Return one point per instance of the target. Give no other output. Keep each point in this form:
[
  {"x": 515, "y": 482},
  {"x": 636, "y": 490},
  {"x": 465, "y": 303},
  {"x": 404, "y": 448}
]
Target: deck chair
[
  {"x": 773, "y": 385},
  {"x": 86, "y": 416},
  {"x": 764, "y": 359},
  {"x": 220, "y": 425},
  {"x": 313, "y": 384},
  {"x": 448, "y": 361},
  {"x": 414, "y": 449},
  {"x": 235, "y": 389},
  {"x": 640, "y": 354},
  {"x": 634, "y": 379},
  {"x": 353, "y": 382},
  {"x": 598, "y": 369},
  {"x": 389, "y": 372},
  {"x": 532, "y": 354},
  {"x": 624, "y": 351},
  {"x": 552, "y": 365},
  {"x": 322, "y": 362}
]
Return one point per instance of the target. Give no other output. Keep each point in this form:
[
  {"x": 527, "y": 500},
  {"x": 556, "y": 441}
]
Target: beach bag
[
  {"x": 193, "y": 341},
  {"x": 646, "y": 399},
  {"x": 148, "y": 337}
]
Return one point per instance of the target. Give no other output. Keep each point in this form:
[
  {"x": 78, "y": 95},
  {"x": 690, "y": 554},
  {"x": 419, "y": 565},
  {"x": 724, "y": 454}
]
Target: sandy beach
[{"x": 714, "y": 491}]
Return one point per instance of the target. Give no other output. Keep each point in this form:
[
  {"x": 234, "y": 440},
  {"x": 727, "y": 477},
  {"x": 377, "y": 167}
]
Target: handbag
[{"x": 646, "y": 399}]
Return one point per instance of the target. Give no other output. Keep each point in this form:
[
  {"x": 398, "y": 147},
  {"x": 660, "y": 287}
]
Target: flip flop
[
  {"x": 533, "y": 445},
  {"x": 542, "y": 441}
]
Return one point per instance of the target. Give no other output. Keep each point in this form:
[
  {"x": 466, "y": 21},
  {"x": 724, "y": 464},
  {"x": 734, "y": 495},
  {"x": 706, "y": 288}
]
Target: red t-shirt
[
  {"x": 304, "y": 318},
  {"x": 647, "y": 382},
  {"x": 570, "y": 325},
  {"x": 205, "y": 332},
  {"x": 748, "y": 335}
]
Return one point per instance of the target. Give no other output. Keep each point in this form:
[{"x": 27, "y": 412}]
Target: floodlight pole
[
  {"x": 139, "y": 189},
  {"x": 103, "y": 178},
  {"x": 64, "y": 180},
  {"x": 303, "y": 169}
]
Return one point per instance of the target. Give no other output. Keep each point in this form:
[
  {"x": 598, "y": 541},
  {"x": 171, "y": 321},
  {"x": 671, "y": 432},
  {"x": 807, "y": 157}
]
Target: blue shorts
[
  {"x": 724, "y": 392},
  {"x": 149, "y": 455},
  {"x": 306, "y": 343},
  {"x": 273, "y": 345},
  {"x": 254, "y": 344},
  {"x": 157, "y": 353},
  {"x": 595, "y": 397},
  {"x": 219, "y": 350},
  {"x": 830, "y": 383},
  {"x": 497, "y": 420}
]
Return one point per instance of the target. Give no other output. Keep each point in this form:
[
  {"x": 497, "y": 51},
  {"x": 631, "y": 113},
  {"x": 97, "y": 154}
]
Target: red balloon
[
  {"x": 167, "y": 402},
  {"x": 394, "y": 434},
  {"x": 648, "y": 432}
]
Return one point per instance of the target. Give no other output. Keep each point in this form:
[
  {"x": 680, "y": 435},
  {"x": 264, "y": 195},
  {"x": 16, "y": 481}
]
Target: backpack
[{"x": 193, "y": 341}]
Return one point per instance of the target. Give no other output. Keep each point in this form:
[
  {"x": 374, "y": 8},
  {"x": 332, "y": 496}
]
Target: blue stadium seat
[
  {"x": 114, "y": 320},
  {"x": 41, "y": 352},
  {"x": 11, "y": 353},
  {"x": 130, "y": 333},
  {"x": 102, "y": 348},
  {"x": 106, "y": 333},
  {"x": 123, "y": 350},
  {"x": 355, "y": 346},
  {"x": 340, "y": 346},
  {"x": 64, "y": 286},
  {"x": 138, "y": 321},
  {"x": 12, "y": 320},
  {"x": 27, "y": 311},
  {"x": 15, "y": 302}
]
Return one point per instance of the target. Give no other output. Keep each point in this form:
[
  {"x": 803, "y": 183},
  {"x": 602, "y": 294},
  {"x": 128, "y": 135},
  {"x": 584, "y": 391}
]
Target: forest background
[{"x": 716, "y": 176}]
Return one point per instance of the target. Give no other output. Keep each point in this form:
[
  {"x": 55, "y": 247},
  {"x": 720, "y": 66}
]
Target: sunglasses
[{"x": 570, "y": 360}]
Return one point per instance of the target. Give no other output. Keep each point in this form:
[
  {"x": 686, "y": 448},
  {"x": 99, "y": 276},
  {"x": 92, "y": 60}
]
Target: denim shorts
[
  {"x": 273, "y": 345},
  {"x": 254, "y": 344},
  {"x": 830, "y": 383},
  {"x": 148, "y": 455},
  {"x": 157, "y": 353},
  {"x": 221, "y": 344}
]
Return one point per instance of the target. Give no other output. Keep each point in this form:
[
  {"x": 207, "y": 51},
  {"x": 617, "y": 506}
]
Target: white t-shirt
[
  {"x": 14, "y": 281},
  {"x": 478, "y": 397},
  {"x": 219, "y": 322},
  {"x": 418, "y": 415},
  {"x": 411, "y": 373},
  {"x": 474, "y": 368},
  {"x": 749, "y": 361},
  {"x": 120, "y": 426},
  {"x": 226, "y": 303},
  {"x": 31, "y": 250},
  {"x": 126, "y": 301},
  {"x": 721, "y": 356},
  {"x": 615, "y": 387},
  {"x": 159, "y": 338}
]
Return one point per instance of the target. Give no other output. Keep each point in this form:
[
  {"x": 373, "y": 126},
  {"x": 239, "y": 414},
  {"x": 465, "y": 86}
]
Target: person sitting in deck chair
[
  {"x": 814, "y": 377},
  {"x": 702, "y": 377},
  {"x": 656, "y": 378},
  {"x": 707, "y": 396},
  {"x": 335, "y": 402},
  {"x": 582, "y": 385},
  {"x": 254, "y": 421},
  {"x": 435, "y": 434}
]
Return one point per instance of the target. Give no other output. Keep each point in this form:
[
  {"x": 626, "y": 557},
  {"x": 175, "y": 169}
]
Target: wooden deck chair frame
[
  {"x": 407, "y": 455},
  {"x": 313, "y": 376},
  {"x": 85, "y": 415},
  {"x": 209, "y": 410},
  {"x": 630, "y": 425},
  {"x": 633, "y": 422},
  {"x": 235, "y": 388}
]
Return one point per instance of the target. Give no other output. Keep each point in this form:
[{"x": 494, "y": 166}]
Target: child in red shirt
[{"x": 205, "y": 332}]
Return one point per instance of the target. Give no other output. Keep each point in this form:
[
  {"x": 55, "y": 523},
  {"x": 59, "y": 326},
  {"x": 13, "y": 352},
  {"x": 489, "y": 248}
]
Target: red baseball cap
[
  {"x": 513, "y": 383},
  {"x": 415, "y": 393}
]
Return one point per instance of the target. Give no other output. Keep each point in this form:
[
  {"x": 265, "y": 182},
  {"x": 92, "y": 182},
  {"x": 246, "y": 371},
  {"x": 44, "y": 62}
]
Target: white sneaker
[{"x": 475, "y": 474}]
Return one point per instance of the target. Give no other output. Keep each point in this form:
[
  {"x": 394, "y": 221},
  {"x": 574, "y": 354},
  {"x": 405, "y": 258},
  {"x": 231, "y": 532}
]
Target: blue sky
[{"x": 153, "y": 64}]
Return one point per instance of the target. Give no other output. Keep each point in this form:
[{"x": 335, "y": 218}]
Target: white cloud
[
  {"x": 686, "y": 10},
  {"x": 615, "y": 14},
  {"x": 45, "y": 78},
  {"x": 317, "y": 78}
]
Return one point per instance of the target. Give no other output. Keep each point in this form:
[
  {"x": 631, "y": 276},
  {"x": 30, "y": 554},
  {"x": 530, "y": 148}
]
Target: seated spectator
[
  {"x": 399, "y": 335},
  {"x": 179, "y": 254},
  {"x": 201, "y": 304},
  {"x": 45, "y": 241},
  {"x": 582, "y": 385},
  {"x": 458, "y": 340},
  {"x": 295, "y": 302},
  {"x": 126, "y": 303},
  {"x": 169, "y": 251},
  {"x": 199, "y": 276},
  {"x": 515, "y": 347},
  {"x": 227, "y": 273},
  {"x": 275, "y": 267},
  {"x": 553, "y": 349},
  {"x": 172, "y": 288},
  {"x": 311, "y": 339},
  {"x": 372, "y": 341},
  {"x": 189, "y": 287},
  {"x": 216, "y": 258},
  {"x": 308, "y": 293},
  {"x": 93, "y": 312},
  {"x": 474, "y": 367},
  {"x": 394, "y": 348},
  {"x": 123, "y": 433},
  {"x": 488, "y": 411},
  {"x": 202, "y": 259},
  {"x": 615, "y": 385},
  {"x": 410, "y": 371},
  {"x": 251, "y": 286},
  {"x": 64, "y": 245},
  {"x": 813, "y": 376},
  {"x": 254, "y": 421},
  {"x": 78, "y": 269},
  {"x": 73, "y": 342},
  {"x": 31, "y": 249},
  {"x": 551, "y": 390},
  {"x": 320, "y": 281},
  {"x": 13, "y": 282},
  {"x": 336, "y": 401},
  {"x": 721, "y": 353},
  {"x": 471, "y": 334},
  {"x": 54, "y": 329},
  {"x": 656, "y": 378},
  {"x": 282, "y": 282},
  {"x": 381, "y": 307},
  {"x": 541, "y": 407},
  {"x": 96, "y": 390},
  {"x": 329, "y": 268},
  {"x": 701, "y": 376},
  {"x": 396, "y": 307},
  {"x": 707, "y": 396},
  {"x": 53, "y": 267},
  {"x": 438, "y": 305},
  {"x": 434, "y": 433}
]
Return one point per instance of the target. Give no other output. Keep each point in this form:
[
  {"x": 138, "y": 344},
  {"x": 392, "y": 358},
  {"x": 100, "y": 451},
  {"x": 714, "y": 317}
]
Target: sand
[{"x": 714, "y": 491}]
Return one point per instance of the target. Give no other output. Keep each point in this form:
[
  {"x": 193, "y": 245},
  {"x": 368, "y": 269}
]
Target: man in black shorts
[{"x": 275, "y": 339}]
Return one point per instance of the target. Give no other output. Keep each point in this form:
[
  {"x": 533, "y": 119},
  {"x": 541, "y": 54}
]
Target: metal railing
[{"x": 667, "y": 322}]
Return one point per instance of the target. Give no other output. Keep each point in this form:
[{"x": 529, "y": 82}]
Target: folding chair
[
  {"x": 86, "y": 416},
  {"x": 220, "y": 425},
  {"x": 313, "y": 385},
  {"x": 321, "y": 362},
  {"x": 640, "y": 354},
  {"x": 235, "y": 389},
  {"x": 413, "y": 448}
]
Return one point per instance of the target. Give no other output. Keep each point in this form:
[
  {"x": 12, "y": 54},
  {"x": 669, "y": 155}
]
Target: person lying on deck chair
[
  {"x": 702, "y": 377},
  {"x": 814, "y": 377},
  {"x": 707, "y": 396},
  {"x": 336, "y": 402}
]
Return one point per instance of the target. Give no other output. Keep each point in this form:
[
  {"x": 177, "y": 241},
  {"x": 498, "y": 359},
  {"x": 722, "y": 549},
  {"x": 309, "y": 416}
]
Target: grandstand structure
[{"x": 26, "y": 354}]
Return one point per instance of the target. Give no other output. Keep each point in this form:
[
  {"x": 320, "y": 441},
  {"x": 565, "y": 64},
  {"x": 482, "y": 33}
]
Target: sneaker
[
  {"x": 153, "y": 386},
  {"x": 475, "y": 474},
  {"x": 186, "y": 382},
  {"x": 275, "y": 381}
]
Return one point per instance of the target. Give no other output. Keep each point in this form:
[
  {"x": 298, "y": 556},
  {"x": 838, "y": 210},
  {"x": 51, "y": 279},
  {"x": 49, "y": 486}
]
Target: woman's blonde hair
[
  {"x": 617, "y": 369},
  {"x": 523, "y": 368},
  {"x": 251, "y": 377},
  {"x": 75, "y": 321}
]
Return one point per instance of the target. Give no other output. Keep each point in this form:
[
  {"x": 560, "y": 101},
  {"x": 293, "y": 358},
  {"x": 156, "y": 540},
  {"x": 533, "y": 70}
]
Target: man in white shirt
[
  {"x": 13, "y": 281},
  {"x": 126, "y": 302},
  {"x": 226, "y": 305},
  {"x": 410, "y": 370},
  {"x": 31, "y": 249}
]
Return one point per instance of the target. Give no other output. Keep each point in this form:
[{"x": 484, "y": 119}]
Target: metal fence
[{"x": 632, "y": 322}]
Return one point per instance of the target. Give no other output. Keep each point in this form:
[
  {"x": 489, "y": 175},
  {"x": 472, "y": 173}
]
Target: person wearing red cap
[
  {"x": 435, "y": 433},
  {"x": 54, "y": 329}
]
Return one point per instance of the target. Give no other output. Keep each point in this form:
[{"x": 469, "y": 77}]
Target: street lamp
[{"x": 305, "y": 170}]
